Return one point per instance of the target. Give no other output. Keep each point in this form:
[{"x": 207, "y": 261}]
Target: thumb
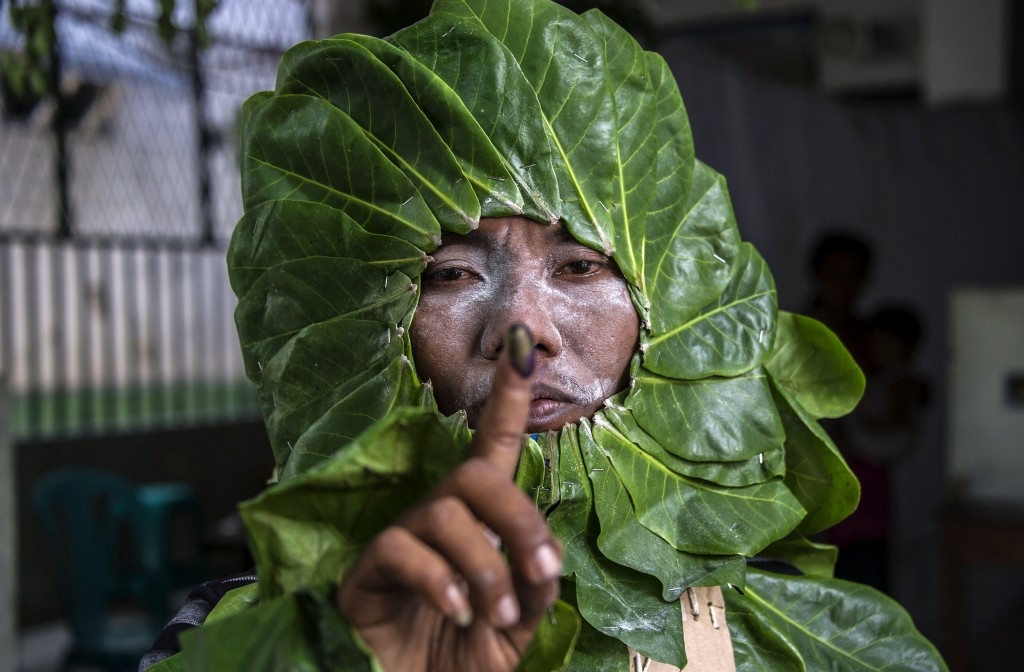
[{"x": 504, "y": 418}]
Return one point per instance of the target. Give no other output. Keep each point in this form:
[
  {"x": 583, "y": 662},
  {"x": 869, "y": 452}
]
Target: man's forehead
[{"x": 492, "y": 232}]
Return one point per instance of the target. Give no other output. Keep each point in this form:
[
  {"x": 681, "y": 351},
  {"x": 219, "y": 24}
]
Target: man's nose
[{"x": 527, "y": 304}]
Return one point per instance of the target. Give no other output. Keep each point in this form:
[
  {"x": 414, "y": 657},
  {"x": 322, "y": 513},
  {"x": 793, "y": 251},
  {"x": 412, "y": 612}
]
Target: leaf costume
[{"x": 365, "y": 152}]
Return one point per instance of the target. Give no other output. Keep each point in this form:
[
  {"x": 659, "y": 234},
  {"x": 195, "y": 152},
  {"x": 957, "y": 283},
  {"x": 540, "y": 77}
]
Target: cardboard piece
[{"x": 705, "y": 635}]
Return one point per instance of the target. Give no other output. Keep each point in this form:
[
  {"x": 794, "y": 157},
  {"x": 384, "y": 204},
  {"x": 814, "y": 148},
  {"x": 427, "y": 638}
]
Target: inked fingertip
[{"x": 519, "y": 343}]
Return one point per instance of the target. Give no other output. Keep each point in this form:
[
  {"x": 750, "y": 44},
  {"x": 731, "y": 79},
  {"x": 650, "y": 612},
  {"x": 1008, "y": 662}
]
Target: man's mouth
[{"x": 552, "y": 407}]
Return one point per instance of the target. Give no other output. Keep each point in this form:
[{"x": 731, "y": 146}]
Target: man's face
[{"x": 514, "y": 270}]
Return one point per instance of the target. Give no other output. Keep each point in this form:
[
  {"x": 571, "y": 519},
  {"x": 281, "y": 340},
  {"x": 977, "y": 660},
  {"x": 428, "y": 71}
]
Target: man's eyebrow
[
  {"x": 556, "y": 234},
  {"x": 473, "y": 237},
  {"x": 559, "y": 234}
]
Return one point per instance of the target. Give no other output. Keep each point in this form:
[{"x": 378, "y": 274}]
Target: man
[
  {"x": 506, "y": 331},
  {"x": 493, "y": 223}
]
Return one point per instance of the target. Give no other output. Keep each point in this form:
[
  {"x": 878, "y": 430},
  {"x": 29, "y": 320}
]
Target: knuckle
[
  {"x": 487, "y": 579},
  {"x": 507, "y": 435},
  {"x": 443, "y": 510},
  {"x": 390, "y": 542},
  {"x": 528, "y": 522},
  {"x": 478, "y": 467},
  {"x": 529, "y": 530},
  {"x": 472, "y": 471},
  {"x": 436, "y": 580}
]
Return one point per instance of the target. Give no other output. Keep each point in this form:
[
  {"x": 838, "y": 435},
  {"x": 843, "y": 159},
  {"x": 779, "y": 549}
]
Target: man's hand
[{"x": 434, "y": 591}]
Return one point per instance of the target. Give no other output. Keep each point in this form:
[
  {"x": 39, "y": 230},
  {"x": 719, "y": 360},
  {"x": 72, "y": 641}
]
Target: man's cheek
[{"x": 472, "y": 392}]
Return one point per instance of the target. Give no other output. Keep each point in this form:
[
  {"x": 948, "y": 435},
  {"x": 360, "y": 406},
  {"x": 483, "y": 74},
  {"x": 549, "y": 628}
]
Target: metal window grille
[{"x": 117, "y": 199}]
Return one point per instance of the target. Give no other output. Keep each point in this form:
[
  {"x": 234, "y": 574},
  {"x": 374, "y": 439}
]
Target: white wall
[
  {"x": 985, "y": 426},
  {"x": 965, "y": 50}
]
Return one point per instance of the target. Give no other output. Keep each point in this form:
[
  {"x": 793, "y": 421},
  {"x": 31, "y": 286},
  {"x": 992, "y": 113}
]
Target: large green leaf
[
  {"x": 595, "y": 651},
  {"x": 815, "y": 470},
  {"x": 729, "y": 336},
  {"x": 628, "y": 606},
  {"x": 276, "y": 232},
  {"x": 553, "y": 643},
  {"x": 571, "y": 520},
  {"x": 735, "y": 473},
  {"x": 323, "y": 332},
  {"x": 298, "y": 295},
  {"x": 812, "y": 367},
  {"x": 690, "y": 258},
  {"x": 346, "y": 369},
  {"x": 300, "y": 632},
  {"x": 809, "y": 557},
  {"x": 353, "y": 407},
  {"x": 617, "y": 601},
  {"x": 787, "y": 624},
  {"x": 480, "y": 161},
  {"x": 470, "y": 61},
  {"x": 308, "y": 150},
  {"x": 625, "y": 541},
  {"x": 377, "y": 101},
  {"x": 306, "y": 531},
  {"x": 708, "y": 420},
  {"x": 573, "y": 105},
  {"x": 647, "y": 190},
  {"x": 537, "y": 472},
  {"x": 694, "y": 515}
]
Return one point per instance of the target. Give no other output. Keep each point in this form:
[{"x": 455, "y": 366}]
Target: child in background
[{"x": 880, "y": 431}]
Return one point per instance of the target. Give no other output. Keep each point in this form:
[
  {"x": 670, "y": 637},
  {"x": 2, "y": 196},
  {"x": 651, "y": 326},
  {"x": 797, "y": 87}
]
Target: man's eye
[
  {"x": 450, "y": 274},
  {"x": 580, "y": 267}
]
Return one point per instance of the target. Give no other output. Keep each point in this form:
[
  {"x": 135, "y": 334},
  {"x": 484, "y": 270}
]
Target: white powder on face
[{"x": 585, "y": 325}]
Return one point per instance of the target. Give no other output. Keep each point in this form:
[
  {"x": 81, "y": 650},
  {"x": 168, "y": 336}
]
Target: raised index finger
[{"x": 504, "y": 418}]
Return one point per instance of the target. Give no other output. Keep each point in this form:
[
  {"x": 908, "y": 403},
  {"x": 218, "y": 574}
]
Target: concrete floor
[{"x": 42, "y": 648}]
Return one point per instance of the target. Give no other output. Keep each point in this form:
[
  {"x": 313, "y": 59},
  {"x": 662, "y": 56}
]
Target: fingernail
[
  {"x": 506, "y": 612},
  {"x": 463, "y": 612},
  {"x": 546, "y": 563},
  {"x": 519, "y": 342}
]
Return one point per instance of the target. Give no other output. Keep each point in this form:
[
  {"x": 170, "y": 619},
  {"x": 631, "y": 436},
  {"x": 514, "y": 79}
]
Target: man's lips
[
  {"x": 541, "y": 390},
  {"x": 552, "y": 407}
]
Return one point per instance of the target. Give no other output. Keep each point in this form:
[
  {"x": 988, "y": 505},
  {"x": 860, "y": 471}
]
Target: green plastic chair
[
  {"x": 163, "y": 509},
  {"x": 106, "y": 544}
]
